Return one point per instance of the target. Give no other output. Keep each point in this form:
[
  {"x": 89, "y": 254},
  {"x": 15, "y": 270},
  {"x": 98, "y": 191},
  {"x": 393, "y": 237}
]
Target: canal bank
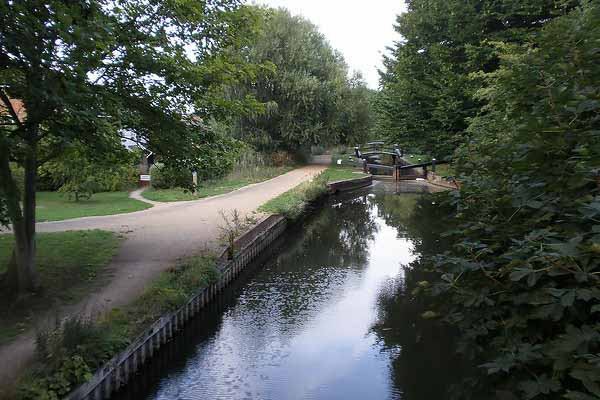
[
  {"x": 117, "y": 372},
  {"x": 302, "y": 320}
]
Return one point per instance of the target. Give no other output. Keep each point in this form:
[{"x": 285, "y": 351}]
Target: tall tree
[
  {"x": 355, "y": 112},
  {"x": 301, "y": 88},
  {"x": 428, "y": 89},
  {"x": 522, "y": 279},
  {"x": 87, "y": 71}
]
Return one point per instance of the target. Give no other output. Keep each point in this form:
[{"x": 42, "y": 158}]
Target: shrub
[
  {"x": 165, "y": 177},
  {"x": 68, "y": 353}
]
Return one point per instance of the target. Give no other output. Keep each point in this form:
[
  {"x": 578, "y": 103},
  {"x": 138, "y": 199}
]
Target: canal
[{"x": 325, "y": 316}]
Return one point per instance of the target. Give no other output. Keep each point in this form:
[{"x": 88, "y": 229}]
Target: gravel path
[{"x": 154, "y": 240}]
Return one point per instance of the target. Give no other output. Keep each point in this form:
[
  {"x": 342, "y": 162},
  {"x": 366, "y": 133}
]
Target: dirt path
[{"x": 154, "y": 240}]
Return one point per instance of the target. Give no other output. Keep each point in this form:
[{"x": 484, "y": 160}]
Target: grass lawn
[
  {"x": 442, "y": 169},
  {"x": 69, "y": 264},
  {"x": 334, "y": 173},
  {"x": 55, "y": 206},
  {"x": 216, "y": 187}
]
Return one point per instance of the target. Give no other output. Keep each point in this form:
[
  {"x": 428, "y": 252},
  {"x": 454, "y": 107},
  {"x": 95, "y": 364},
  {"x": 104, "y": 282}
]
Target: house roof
[{"x": 17, "y": 105}]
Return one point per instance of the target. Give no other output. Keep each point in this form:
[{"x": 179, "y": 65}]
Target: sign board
[{"x": 145, "y": 178}]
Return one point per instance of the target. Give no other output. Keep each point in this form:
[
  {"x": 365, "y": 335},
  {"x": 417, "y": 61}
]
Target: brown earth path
[{"x": 154, "y": 240}]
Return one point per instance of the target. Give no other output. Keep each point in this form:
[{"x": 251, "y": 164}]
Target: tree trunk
[{"x": 22, "y": 273}]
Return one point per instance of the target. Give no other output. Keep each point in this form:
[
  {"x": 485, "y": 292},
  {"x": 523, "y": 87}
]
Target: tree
[
  {"x": 87, "y": 71},
  {"x": 428, "y": 86},
  {"x": 522, "y": 280},
  {"x": 301, "y": 89},
  {"x": 355, "y": 112}
]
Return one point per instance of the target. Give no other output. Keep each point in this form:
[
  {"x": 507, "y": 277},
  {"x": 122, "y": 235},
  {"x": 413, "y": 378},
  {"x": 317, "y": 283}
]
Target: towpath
[{"x": 154, "y": 240}]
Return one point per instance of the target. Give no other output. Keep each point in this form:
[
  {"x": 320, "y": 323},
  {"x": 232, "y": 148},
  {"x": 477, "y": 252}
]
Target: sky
[{"x": 359, "y": 29}]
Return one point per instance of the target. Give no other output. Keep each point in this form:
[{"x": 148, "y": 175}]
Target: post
[{"x": 433, "y": 165}]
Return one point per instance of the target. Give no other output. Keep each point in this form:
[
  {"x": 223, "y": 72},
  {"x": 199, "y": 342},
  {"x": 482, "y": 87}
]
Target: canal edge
[{"x": 119, "y": 370}]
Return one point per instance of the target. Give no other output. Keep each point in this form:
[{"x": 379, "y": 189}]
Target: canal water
[{"x": 313, "y": 320}]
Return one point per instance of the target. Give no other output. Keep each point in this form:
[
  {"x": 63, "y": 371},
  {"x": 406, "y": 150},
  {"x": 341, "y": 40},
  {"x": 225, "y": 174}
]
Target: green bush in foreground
[
  {"x": 69, "y": 353},
  {"x": 522, "y": 280}
]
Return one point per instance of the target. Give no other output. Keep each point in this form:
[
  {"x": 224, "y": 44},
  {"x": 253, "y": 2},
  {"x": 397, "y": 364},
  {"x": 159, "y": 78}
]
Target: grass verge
[
  {"x": 55, "y": 206},
  {"x": 442, "y": 169},
  {"x": 69, "y": 353},
  {"x": 69, "y": 265},
  {"x": 293, "y": 202},
  {"x": 216, "y": 187}
]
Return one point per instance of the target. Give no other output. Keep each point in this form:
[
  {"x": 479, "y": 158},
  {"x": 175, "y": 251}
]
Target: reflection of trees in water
[
  {"x": 396, "y": 210},
  {"x": 315, "y": 261},
  {"x": 340, "y": 234},
  {"x": 427, "y": 364}
]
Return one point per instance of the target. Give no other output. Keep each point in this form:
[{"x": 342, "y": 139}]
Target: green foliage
[
  {"x": 427, "y": 96},
  {"x": 295, "y": 201},
  {"x": 69, "y": 263},
  {"x": 522, "y": 281},
  {"x": 355, "y": 112},
  {"x": 304, "y": 88},
  {"x": 164, "y": 177},
  {"x": 70, "y": 352},
  {"x": 209, "y": 188},
  {"x": 89, "y": 73}
]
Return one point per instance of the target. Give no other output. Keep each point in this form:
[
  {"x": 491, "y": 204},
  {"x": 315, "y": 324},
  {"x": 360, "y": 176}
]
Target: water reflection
[
  {"x": 427, "y": 367},
  {"x": 305, "y": 324}
]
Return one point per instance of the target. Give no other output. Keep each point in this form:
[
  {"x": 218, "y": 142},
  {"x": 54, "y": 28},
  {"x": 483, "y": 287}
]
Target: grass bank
[
  {"x": 68, "y": 355},
  {"x": 55, "y": 206},
  {"x": 213, "y": 188},
  {"x": 442, "y": 169},
  {"x": 293, "y": 202},
  {"x": 70, "y": 264}
]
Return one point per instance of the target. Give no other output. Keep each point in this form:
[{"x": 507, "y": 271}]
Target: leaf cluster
[{"x": 522, "y": 280}]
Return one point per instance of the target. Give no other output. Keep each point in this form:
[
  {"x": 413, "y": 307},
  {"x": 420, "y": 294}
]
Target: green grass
[
  {"x": 92, "y": 343},
  {"x": 334, "y": 174},
  {"x": 293, "y": 202},
  {"x": 442, "y": 169},
  {"x": 55, "y": 206},
  {"x": 69, "y": 265},
  {"x": 216, "y": 187},
  {"x": 169, "y": 291}
]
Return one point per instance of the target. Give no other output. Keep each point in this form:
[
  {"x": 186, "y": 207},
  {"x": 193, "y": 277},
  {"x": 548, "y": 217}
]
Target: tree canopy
[
  {"x": 427, "y": 86},
  {"x": 86, "y": 72},
  {"x": 521, "y": 279},
  {"x": 310, "y": 98}
]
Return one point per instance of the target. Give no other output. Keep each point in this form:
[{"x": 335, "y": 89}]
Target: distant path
[{"x": 154, "y": 240}]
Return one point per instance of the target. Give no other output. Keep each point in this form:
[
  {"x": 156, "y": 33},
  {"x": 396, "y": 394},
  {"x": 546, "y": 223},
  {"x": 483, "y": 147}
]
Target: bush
[
  {"x": 164, "y": 177},
  {"x": 68, "y": 353}
]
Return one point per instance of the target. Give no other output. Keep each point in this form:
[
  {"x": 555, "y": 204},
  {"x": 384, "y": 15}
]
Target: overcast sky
[{"x": 360, "y": 29}]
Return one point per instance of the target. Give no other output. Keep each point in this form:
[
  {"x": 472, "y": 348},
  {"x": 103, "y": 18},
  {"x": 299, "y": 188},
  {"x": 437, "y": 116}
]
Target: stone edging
[{"x": 120, "y": 369}]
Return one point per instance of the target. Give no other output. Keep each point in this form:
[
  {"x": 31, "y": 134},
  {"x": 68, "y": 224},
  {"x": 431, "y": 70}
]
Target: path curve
[{"x": 155, "y": 239}]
